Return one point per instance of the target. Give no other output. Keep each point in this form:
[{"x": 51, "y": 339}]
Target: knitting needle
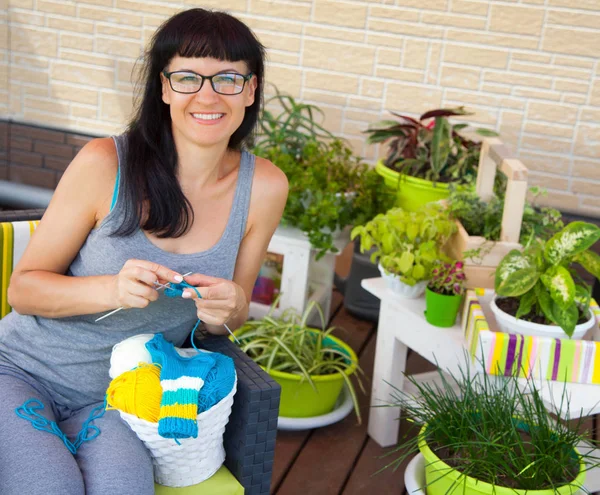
[
  {"x": 231, "y": 333},
  {"x": 160, "y": 286}
]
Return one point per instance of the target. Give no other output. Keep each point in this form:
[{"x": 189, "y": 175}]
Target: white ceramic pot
[
  {"x": 509, "y": 324},
  {"x": 400, "y": 288},
  {"x": 414, "y": 476}
]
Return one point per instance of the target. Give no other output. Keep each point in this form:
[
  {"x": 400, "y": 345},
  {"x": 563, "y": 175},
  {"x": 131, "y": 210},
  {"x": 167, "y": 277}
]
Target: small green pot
[
  {"x": 441, "y": 310},
  {"x": 299, "y": 399},
  {"x": 411, "y": 192},
  {"x": 441, "y": 479}
]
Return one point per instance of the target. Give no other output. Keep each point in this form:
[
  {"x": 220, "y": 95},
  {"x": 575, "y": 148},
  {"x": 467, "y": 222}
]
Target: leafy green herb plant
[
  {"x": 429, "y": 147},
  {"x": 287, "y": 344},
  {"x": 408, "y": 244},
  {"x": 492, "y": 430},
  {"x": 543, "y": 279},
  {"x": 329, "y": 189},
  {"x": 481, "y": 218}
]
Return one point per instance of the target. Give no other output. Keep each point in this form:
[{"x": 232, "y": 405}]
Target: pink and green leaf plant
[{"x": 448, "y": 279}]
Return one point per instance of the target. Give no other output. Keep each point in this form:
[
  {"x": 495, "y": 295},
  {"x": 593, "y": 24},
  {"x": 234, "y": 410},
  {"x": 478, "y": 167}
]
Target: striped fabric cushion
[{"x": 14, "y": 237}]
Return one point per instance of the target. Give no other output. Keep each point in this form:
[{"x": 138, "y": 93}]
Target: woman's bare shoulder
[
  {"x": 90, "y": 177},
  {"x": 270, "y": 180},
  {"x": 98, "y": 156}
]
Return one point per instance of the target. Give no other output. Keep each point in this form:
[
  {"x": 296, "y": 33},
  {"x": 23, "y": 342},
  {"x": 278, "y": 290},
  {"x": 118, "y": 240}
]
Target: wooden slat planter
[{"x": 494, "y": 156}]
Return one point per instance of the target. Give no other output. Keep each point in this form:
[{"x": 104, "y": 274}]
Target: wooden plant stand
[{"x": 480, "y": 272}]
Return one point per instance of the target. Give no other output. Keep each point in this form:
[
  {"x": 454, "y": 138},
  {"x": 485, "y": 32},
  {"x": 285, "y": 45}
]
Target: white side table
[
  {"x": 303, "y": 278},
  {"x": 402, "y": 325}
]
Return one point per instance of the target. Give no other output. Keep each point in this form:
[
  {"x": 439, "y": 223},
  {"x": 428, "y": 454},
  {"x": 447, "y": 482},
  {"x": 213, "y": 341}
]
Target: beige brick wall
[{"x": 527, "y": 68}]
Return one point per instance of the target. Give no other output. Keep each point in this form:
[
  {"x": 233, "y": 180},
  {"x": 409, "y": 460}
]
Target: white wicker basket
[
  {"x": 402, "y": 289},
  {"x": 196, "y": 459}
]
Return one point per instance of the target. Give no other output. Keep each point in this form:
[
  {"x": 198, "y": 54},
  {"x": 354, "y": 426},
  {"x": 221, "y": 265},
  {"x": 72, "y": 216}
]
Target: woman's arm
[
  {"x": 226, "y": 301},
  {"x": 38, "y": 285}
]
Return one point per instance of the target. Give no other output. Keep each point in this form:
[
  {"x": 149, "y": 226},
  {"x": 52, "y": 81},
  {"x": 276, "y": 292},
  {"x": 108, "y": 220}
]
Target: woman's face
[{"x": 206, "y": 118}]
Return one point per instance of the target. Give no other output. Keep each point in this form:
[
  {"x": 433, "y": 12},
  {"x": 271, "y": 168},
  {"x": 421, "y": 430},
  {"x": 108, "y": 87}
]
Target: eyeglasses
[{"x": 228, "y": 83}]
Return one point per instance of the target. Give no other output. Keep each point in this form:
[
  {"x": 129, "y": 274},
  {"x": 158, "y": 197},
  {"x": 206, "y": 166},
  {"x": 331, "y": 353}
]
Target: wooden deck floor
[{"x": 341, "y": 459}]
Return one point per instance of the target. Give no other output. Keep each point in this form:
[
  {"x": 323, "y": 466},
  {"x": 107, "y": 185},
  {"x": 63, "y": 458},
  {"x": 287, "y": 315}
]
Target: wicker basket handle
[{"x": 495, "y": 155}]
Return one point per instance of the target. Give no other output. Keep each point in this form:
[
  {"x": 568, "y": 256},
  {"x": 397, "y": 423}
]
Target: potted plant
[
  {"x": 444, "y": 294},
  {"x": 425, "y": 155},
  {"x": 289, "y": 125},
  {"x": 484, "y": 218},
  {"x": 538, "y": 291},
  {"x": 480, "y": 435},
  {"x": 408, "y": 245},
  {"x": 330, "y": 188},
  {"x": 310, "y": 364}
]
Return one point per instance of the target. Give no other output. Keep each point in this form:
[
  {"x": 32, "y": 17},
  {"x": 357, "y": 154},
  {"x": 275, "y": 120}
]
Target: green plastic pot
[
  {"x": 299, "y": 399},
  {"x": 411, "y": 192},
  {"x": 441, "y": 479},
  {"x": 441, "y": 310}
]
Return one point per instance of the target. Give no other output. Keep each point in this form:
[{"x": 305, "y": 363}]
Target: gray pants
[{"x": 38, "y": 463}]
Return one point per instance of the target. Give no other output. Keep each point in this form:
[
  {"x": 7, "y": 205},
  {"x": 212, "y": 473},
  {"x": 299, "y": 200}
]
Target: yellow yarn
[{"x": 137, "y": 392}]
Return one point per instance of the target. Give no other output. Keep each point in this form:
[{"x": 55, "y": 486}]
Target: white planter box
[{"x": 303, "y": 278}]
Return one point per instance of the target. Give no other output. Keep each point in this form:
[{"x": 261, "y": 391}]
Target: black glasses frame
[{"x": 210, "y": 78}]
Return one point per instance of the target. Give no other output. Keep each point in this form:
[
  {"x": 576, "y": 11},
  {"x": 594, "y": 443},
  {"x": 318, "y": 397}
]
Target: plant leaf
[
  {"x": 440, "y": 146},
  {"x": 486, "y": 132},
  {"x": 575, "y": 238},
  {"x": 526, "y": 303},
  {"x": 559, "y": 282},
  {"x": 515, "y": 275},
  {"x": 445, "y": 112},
  {"x": 406, "y": 261},
  {"x": 590, "y": 261},
  {"x": 566, "y": 318},
  {"x": 545, "y": 301}
]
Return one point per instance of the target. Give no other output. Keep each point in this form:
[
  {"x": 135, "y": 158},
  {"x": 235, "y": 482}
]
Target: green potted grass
[
  {"x": 538, "y": 291},
  {"x": 482, "y": 435},
  {"x": 408, "y": 245},
  {"x": 310, "y": 364},
  {"x": 444, "y": 294},
  {"x": 425, "y": 155}
]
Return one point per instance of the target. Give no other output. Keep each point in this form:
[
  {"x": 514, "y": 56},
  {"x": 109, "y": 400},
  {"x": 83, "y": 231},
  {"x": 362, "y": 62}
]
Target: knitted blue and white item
[
  {"x": 181, "y": 379},
  {"x": 219, "y": 382}
]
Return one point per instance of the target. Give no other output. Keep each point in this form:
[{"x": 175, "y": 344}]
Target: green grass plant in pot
[
  {"x": 483, "y": 435},
  {"x": 425, "y": 155},
  {"x": 444, "y": 294},
  {"x": 310, "y": 364},
  {"x": 539, "y": 292},
  {"x": 408, "y": 245}
]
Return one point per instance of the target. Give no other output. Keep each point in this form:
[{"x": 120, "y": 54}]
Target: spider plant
[{"x": 287, "y": 344}]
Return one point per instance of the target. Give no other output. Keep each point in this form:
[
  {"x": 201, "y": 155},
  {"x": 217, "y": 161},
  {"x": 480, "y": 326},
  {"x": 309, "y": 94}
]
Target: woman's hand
[
  {"x": 221, "y": 300},
  {"x": 135, "y": 283}
]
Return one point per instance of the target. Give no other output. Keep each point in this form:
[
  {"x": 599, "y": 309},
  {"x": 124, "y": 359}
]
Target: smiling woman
[{"x": 176, "y": 193}]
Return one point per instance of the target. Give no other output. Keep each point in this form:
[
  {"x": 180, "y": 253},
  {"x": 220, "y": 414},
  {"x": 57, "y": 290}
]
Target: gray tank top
[{"x": 70, "y": 356}]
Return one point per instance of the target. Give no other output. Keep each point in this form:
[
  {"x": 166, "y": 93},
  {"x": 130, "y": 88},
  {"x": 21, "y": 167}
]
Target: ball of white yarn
[{"x": 129, "y": 353}]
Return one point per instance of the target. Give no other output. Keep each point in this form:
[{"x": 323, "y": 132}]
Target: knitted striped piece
[{"x": 181, "y": 379}]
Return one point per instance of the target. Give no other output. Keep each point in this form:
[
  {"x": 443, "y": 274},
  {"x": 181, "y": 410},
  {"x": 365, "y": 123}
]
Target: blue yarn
[
  {"x": 221, "y": 377},
  {"x": 219, "y": 382},
  {"x": 28, "y": 411},
  {"x": 176, "y": 290}
]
